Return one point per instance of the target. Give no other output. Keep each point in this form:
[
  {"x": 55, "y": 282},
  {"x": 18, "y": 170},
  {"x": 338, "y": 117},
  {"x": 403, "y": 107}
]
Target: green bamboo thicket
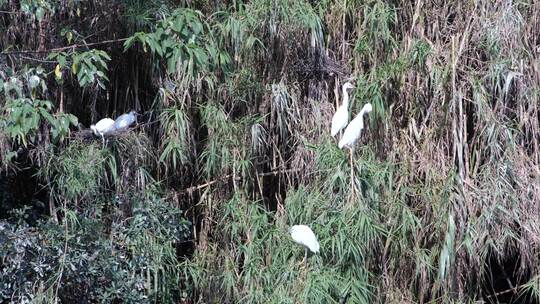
[{"x": 441, "y": 203}]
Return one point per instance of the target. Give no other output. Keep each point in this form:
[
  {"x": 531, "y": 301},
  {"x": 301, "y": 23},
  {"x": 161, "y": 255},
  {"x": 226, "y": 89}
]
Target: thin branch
[
  {"x": 38, "y": 60},
  {"x": 73, "y": 46},
  {"x": 201, "y": 186},
  {"x": 514, "y": 290},
  {"x": 279, "y": 172}
]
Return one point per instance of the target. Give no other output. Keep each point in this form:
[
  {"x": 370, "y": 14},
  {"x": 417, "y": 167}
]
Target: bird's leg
[
  {"x": 301, "y": 264},
  {"x": 304, "y": 260},
  {"x": 352, "y": 170},
  {"x": 103, "y": 140}
]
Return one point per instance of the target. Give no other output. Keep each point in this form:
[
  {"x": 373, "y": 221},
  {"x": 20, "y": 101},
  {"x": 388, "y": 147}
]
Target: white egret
[
  {"x": 303, "y": 235},
  {"x": 102, "y": 127},
  {"x": 351, "y": 135},
  {"x": 353, "y": 130},
  {"x": 124, "y": 121},
  {"x": 341, "y": 117}
]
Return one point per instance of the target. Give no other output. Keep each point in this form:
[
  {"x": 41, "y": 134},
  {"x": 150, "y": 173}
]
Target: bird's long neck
[
  {"x": 361, "y": 119},
  {"x": 361, "y": 116},
  {"x": 345, "y": 98},
  {"x": 362, "y": 112}
]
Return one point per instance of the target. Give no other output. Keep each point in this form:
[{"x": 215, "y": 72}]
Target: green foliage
[
  {"x": 89, "y": 67},
  {"x": 185, "y": 42},
  {"x": 293, "y": 15},
  {"x": 441, "y": 187},
  {"x": 133, "y": 261},
  {"x": 420, "y": 51},
  {"x": 37, "y": 8},
  {"x": 255, "y": 244},
  {"x": 176, "y": 148},
  {"x": 378, "y": 19},
  {"x": 222, "y": 153},
  {"x": 23, "y": 117},
  {"x": 532, "y": 288},
  {"x": 24, "y": 112},
  {"x": 76, "y": 172}
]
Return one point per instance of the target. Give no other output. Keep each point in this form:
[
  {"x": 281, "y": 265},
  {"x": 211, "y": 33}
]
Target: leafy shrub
[
  {"x": 24, "y": 112},
  {"x": 84, "y": 261}
]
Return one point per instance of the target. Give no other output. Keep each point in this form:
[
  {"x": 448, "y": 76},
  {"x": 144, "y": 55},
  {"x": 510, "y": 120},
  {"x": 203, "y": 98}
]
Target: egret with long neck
[
  {"x": 351, "y": 135},
  {"x": 341, "y": 117}
]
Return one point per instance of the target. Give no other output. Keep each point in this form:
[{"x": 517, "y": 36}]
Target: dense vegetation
[{"x": 233, "y": 147}]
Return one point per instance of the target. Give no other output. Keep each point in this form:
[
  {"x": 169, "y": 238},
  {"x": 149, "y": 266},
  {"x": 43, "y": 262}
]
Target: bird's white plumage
[
  {"x": 340, "y": 120},
  {"x": 125, "y": 120},
  {"x": 353, "y": 130},
  {"x": 103, "y": 126},
  {"x": 304, "y": 236},
  {"x": 341, "y": 117}
]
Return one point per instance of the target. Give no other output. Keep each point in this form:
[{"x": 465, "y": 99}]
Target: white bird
[
  {"x": 102, "y": 127},
  {"x": 341, "y": 117},
  {"x": 353, "y": 130},
  {"x": 303, "y": 235},
  {"x": 351, "y": 135},
  {"x": 124, "y": 121}
]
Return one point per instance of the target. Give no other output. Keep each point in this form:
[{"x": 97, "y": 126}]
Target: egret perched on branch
[
  {"x": 341, "y": 117},
  {"x": 352, "y": 133},
  {"x": 124, "y": 121},
  {"x": 102, "y": 127},
  {"x": 303, "y": 235}
]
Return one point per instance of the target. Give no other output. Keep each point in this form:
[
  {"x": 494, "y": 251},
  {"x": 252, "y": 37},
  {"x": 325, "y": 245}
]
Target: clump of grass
[{"x": 77, "y": 172}]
